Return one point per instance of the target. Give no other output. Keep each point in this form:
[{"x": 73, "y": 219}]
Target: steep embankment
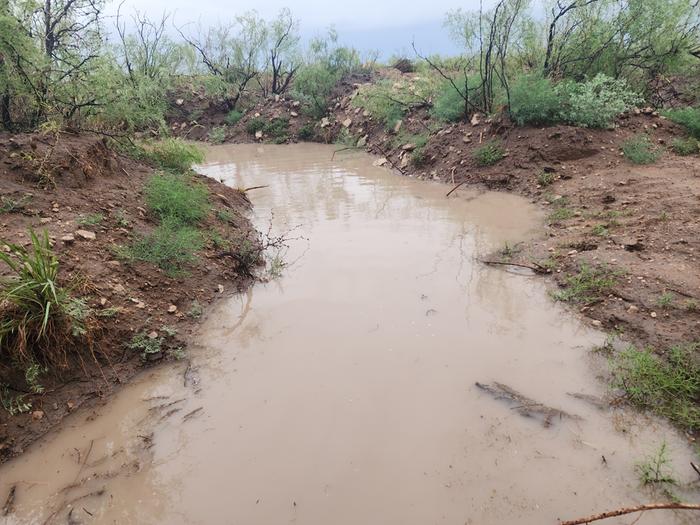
[
  {"x": 90, "y": 200},
  {"x": 621, "y": 240}
]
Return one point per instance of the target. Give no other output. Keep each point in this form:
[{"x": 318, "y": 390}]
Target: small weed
[
  {"x": 561, "y": 214},
  {"x": 601, "y": 230},
  {"x": 664, "y": 216},
  {"x": 169, "y": 331},
  {"x": 254, "y": 125},
  {"x": 196, "y": 310},
  {"x": 640, "y": 150},
  {"x": 218, "y": 241},
  {"x": 217, "y": 135},
  {"x": 587, "y": 286},
  {"x": 177, "y": 198},
  {"x": 489, "y": 154},
  {"x": 668, "y": 385},
  {"x": 346, "y": 139},
  {"x": 174, "y": 155},
  {"x": 545, "y": 178},
  {"x": 178, "y": 353},
  {"x": 13, "y": 405},
  {"x": 224, "y": 215},
  {"x": 306, "y": 132},
  {"x": 691, "y": 305},
  {"x": 508, "y": 251},
  {"x": 657, "y": 468},
  {"x": 665, "y": 300},
  {"x": 276, "y": 265},
  {"x": 145, "y": 345},
  {"x": 94, "y": 219},
  {"x": 121, "y": 219},
  {"x": 31, "y": 376},
  {"x": 8, "y": 205},
  {"x": 108, "y": 313},
  {"x": 233, "y": 117},
  {"x": 685, "y": 147}
]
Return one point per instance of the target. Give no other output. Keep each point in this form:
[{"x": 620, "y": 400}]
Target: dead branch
[
  {"x": 630, "y": 510},
  {"x": 10, "y": 501},
  {"x": 453, "y": 189},
  {"x": 535, "y": 268}
]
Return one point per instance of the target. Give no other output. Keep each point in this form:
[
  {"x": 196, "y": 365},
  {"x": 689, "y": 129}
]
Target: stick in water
[{"x": 630, "y": 510}]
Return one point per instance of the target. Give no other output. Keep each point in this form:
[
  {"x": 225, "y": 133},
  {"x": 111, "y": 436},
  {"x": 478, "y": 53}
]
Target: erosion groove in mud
[{"x": 345, "y": 390}]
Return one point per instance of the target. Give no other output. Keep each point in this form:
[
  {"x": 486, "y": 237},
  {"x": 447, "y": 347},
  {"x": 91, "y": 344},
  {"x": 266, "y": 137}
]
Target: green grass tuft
[
  {"x": 489, "y": 154},
  {"x": 640, "y": 150},
  {"x": 588, "y": 285},
  {"x": 177, "y": 198}
]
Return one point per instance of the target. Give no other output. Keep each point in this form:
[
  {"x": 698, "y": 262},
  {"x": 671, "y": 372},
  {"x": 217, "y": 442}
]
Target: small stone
[
  {"x": 632, "y": 309},
  {"x": 408, "y": 147},
  {"x": 70, "y": 405},
  {"x": 653, "y": 314},
  {"x": 86, "y": 235},
  {"x": 294, "y": 113},
  {"x": 45, "y": 220},
  {"x": 68, "y": 239},
  {"x": 258, "y": 134},
  {"x": 466, "y": 140},
  {"x": 347, "y": 123},
  {"x": 153, "y": 335},
  {"x": 380, "y": 162},
  {"x": 596, "y": 322},
  {"x": 37, "y": 415},
  {"x": 103, "y": 301},
  {"x": 295, "y": 104},
  {"x": 362, "y": 142},
  {"x": 220, "y": 288},
  {"x": 397, "y": 126},
  {"x": 118, "y": 288},
  {"x": 179, "y": 102},
  {"x": 172, "y": 309},
  {"x": 325, "y": 122},
  {"x": 476, "y": 120}
]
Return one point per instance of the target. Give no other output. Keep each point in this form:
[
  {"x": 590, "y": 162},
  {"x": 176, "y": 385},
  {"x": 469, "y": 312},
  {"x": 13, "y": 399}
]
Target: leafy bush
[
  {"x": 254, "y": 125},
  {"x": 596, "y": 102},
  {"x": 669, "y": 386},
  {"x": 534, "y": 101},
  {"x": 448, "y": 105},
  {"x": 489, "y": 154},
  {"x": 277, "y": 128},
  {"x": 384, "y": 101},
  {"x": 174, "y": 155},
  {"x": 37, "y": 316},
  {"x": 306, "y": 132},
  {"x": 233, "y": 117},
  {"x": 217, "y": 135},
  {"x": 688, "y": 118},
  {"x": 684, "y": 147},
  {"x": 171, "y": 247},
  {"x": 177, "y": 198},
  {"x": 640, "y": 150}
]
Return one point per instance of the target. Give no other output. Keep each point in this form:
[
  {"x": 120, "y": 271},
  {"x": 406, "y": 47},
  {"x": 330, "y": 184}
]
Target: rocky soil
[{"x": 62, "y": 183}]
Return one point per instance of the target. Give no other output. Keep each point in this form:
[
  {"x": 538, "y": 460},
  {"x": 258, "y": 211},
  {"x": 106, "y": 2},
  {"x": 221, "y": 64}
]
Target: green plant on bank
[
  {"x": 691, "y": 305},
  {"x": 640, "y": 150},
  {"x": 233, "y": 117},
  {"x": 93, "y": 219},
  {"x": 689, "y": 118},
  {"x": 171, "y": 246},
  {"x": 9, "y": 205},
  {"x": 224, "y": 215},
  {"x": 177, "y": 198},
  {"x": 38, "y": 317},
  {"x": 385, "y": 101},
  {"x": 489, "y": 154},
  {"x": 448, "y": 105},
  {"x": 562, "y": 213},
  {"x": 545, "y": 178},
  {"x": 218, "y": 241},
  {"x": 217, "y": 135},
  {"x": 685, "y": 147},
  {"x": 668, "y": 385},
  {"x": 174, "y": 155},
  {"x": 196, "y": 310},
  {"x": 657, "y": 468},
  {"x": 254, "y": 125},
  {"x": 277, "y": 128},
  {"x": 346, "y": 139},
  {"x": 306, "y": 132},
  {"x": 588, "y": 285},
  {"x": 601, "y": 230},
  {"x": 13, "y": 405},
  {"x": 121, "y": 219},
  {"x": 666, "y": 299},
  {"x": 248, "y": 256},
  {"x": 534, "y": 101},
  {"x": 31, "y": 377},
  {"x": 146, "y": 346}
]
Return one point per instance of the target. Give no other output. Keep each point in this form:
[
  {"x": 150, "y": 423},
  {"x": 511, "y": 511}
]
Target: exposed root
[{"x": 630, "y": 510}]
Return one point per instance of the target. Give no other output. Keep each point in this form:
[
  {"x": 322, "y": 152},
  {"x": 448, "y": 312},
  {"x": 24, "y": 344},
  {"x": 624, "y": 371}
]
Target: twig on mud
[
  {"x": 695, "y": 468},
  {"x": 191, "y": 414},
  {"x": 535, "y": 267},
  {"x": 630, "y": 510},
  {"x": 10, "y": 501},
  {"x": 255, "y": 188},
  {"x": 453, "y": 189},
  {"x": 339, "y": 150}
]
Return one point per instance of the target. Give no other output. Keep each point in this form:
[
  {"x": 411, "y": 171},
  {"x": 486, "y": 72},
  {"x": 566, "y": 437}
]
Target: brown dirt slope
[{"x": 53, "y": 183}]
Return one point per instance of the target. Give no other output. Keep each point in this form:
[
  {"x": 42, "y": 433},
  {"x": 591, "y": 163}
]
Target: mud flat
[{"x": 345, "y": 391}]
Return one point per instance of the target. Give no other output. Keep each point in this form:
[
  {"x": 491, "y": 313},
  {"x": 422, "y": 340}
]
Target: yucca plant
[{"x": 36, "y": 314}]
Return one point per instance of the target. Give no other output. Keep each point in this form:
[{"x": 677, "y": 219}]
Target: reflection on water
[{"x": 344, "y": 392}]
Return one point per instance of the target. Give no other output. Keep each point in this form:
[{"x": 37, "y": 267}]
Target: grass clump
[
  {"x": 657, "y": 468},
  {"x": 665, "y": 300},
  {"x": 147, "y": 347},
  {"x": 171, "y": 247},
  {"x": 306, "y": 132},
  {"x": 254, "y": 125},
  {"x": 174, "y": 155},
  {"x": 233, "y": 117},
  {"x": 685, "y": 147},
  {"x": 40, "y": 322},
  {"x": 489, "y": 154},
  {"x": 94, "y": 219},
  {"x": 640, "y": 150},
  {"x": 545, "y": 178},
  {"x": 534, "y": 101},
  {"x": 561, "y": 214},
  {"x": 177, "y": 198},
  {"x": 689, "y": 118},
  {"x": 217, "y": 135},
  {"x": 668, "y": 386},
  {"x": 587, "y": 286},
  {"x": 9, "y": 205}
]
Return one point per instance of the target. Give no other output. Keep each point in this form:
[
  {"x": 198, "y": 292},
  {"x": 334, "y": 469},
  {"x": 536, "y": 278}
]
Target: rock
[
  {"x": 632, "y": 309},
  {"x": 347, "y": 123},
  {"x": 172, "y": 309},
  {"x": 258, "y": 134},
  {"x": 596, "y": 322},
  {"x": 45, "y": 220},
  {"x": 362, "y": 142},
  {"x": 103, "y": 301},
  {"x": 408, "y": 147},
  {"x": 476, "y": 120},
  {"x": 632, "y": 244},
  {"x": 648, "y": 110},
  {"x": 153, "y": 335},
  {"x": 466, "y": 140},
  {"x": 294, "y": 114},
  {"x": 653, "y": 314},
  {"x": 325, "y": 122},
  {"x": 365, "y": 113},
  {"x": 86, "y": 235},
  {"x": 37, "y": 415},
  {"x": 380, "y": 162},
  {"x": 397, "y": 126},
  {"x": 220, "y": 288},
  {"x": 277, "y": 98},
  {"x": 404, "y": 161},
  {"x": 179, "y": 102},
  {"x": 295, "y": 104},
  {"x": 118, "y": 288},
  {"x": 68, "y": 239}
]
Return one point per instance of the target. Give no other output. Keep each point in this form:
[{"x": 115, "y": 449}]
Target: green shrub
[
  {"x": 684, "y": 147},
  {"x": 306, "y": 132},
  {"x": 545, "y": 178},
  {"x": 640, "y": 150},
  {"x": 489, "y": 154},
  {"x": 177, "y": 197},
  {"x": 448, "y": 105},
  {"x": 277, "y": 128},
  {"x": 171, "y": 247},
  {"x": 145, "y": 345},
  {"x": 174, "y": 155},
  {"x": 534, "y": 101},
  {"x": 596, "y": 102},
  {"x": 37, "y": 316},
  {"x": 233, "y": 117},
  {"x": 688, "y": 118},
  {"x": 669, "y": 385},
  {"x": 254, "y": 125},
  {"x": 217, "y": 135},
  {"x": 384, "y": 100}
]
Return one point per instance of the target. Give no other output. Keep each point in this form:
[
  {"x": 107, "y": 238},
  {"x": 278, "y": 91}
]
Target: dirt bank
[
  {"x": 638, "y": 224},
  {"x": 90, "y": 199}
]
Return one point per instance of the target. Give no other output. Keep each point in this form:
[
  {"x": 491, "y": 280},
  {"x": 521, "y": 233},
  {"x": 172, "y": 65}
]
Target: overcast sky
[{"x": 385, "y": 25}]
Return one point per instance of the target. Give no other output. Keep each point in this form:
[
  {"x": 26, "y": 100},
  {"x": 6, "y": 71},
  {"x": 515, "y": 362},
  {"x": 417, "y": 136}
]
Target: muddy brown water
[{"x": 343, "y": 392}]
